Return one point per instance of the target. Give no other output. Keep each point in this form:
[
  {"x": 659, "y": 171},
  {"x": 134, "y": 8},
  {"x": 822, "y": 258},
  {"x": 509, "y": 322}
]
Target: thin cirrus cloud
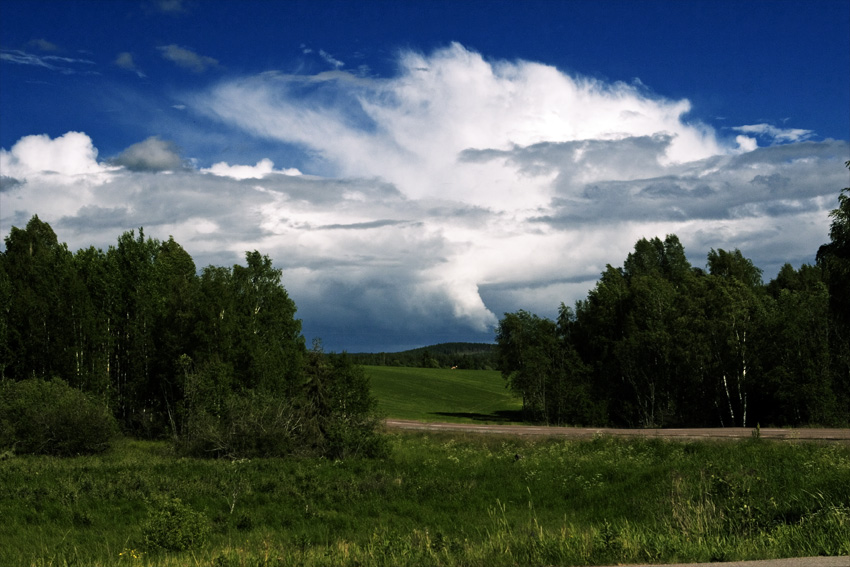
[
  {"x": 126, "y": 61},
  {"x": 450, "y": 193},
  {"x": 187, "y": 59},
  {"x": 775, "y": 133},
  {"x": 63, "y": 65}
]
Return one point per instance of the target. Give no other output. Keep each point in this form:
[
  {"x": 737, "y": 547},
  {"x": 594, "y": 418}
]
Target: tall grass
[{"x": 437, "y": 500}]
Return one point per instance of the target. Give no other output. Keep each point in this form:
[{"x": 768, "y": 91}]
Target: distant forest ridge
[{"x": 468, "y": 356}]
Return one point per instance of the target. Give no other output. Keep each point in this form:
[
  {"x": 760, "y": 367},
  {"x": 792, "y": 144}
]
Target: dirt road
[
  {"x": 840, "y": 435},
  {"x": 795, "y": 562}
]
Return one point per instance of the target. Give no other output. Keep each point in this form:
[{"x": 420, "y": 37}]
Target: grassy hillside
[{"x": 433, "y": 394}]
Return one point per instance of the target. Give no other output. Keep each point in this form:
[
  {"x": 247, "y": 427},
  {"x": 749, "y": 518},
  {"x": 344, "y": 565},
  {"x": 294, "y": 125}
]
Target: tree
[
  {"x": 270, "y": 346},
  {"x": 795, "y": 353},
  {"x": 526, "y": 346},
  {"x": 834, "y": 259},
  {"x": 341, "y": 411},
  {"x": 734, "y": 312},
  {"x": 646, "y": 353},
  {"x": 217, "y": 359},
  {"x": 38, "y": 269},
  {"x": 174, "y": 290},
  {"x": 132, "y": 326}
]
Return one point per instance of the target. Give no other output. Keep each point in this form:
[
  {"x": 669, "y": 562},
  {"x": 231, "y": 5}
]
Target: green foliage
[
  {"x": 834, "y": 259},
  {"x": 248, "y": 424},
  {"x": 332, "y": 413},
  {"x": 174, "y": 526},
  {"x": 343, "y": 413},
  {"x": 658, "y": 343},
  {"x": 540, "y": 365},
  {"x": 51, "y": 418},
  {"x": 216, "y": 361}
]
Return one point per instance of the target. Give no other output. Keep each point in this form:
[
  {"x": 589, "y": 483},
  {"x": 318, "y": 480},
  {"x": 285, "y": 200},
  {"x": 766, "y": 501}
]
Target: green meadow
[
  {"x": 435, "y": 394},
  {"x": 434, "y": 499}
]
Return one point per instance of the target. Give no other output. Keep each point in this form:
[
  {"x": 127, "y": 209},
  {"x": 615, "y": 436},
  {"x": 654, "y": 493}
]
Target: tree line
[
  {"x": 463, "y": 356},
  {"x": 659, "y": 342},
  {"x": 214, "y": 359}
]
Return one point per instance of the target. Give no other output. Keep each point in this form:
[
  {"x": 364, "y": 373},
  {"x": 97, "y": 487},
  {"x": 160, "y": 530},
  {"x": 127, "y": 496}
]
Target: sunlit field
[{"x": 427, "y": 394}]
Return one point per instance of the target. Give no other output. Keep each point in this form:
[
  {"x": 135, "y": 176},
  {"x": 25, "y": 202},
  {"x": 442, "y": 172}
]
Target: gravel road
[{"x": 795, "y": 562}]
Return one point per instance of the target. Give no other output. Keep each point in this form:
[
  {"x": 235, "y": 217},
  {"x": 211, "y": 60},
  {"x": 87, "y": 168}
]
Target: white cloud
[
  {"x": 410, "y": 129},
  {"x": 330, "y": 59},
  {"x": 64, "y": 159},
  {"x": 261, "y": 169},
  {"x": 462, "y": 188},
  {"x": 64, "y": 65},
  {"x": 774, "y": 134},
  {"x": 746, "y": 144}
]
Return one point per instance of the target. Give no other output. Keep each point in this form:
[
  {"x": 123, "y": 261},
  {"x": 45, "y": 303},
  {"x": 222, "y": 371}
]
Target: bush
[
  {"x": 174, "y": 526},
  {"x": 249, "y": 425},
  {"x": 344, "y": 414},
  {"x": 52, "y": 418},
  {"x": 329, "y": 412}
]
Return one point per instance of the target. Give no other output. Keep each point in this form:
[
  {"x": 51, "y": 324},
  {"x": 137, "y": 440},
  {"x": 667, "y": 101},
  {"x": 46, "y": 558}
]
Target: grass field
[
  {"x": 426, "y": 394},
  {"x": 436, "y": 500}
]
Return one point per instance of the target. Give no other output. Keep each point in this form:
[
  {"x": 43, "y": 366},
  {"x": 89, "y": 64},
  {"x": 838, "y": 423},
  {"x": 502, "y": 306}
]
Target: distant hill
[{"x": 469, "y": 356}]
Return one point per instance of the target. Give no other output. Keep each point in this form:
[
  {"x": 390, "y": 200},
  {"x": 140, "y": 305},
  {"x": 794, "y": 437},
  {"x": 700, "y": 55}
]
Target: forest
[
  {"x": 661, "y": 343},
  {"x": 213, "y": 359},
  {"x": 463, "y": 356}
]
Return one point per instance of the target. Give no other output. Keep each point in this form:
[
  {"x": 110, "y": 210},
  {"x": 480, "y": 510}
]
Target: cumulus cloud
[
  {"x": 187, "y": 59},
  {"x": 441, "y": 105},
  {"x": 261, "y": 169},
  {"x": 450, "y": 193},
  {"x": 152, "y": 154},
  {"x": 64, "y": 159}
]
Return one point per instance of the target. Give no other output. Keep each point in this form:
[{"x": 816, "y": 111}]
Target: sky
[{"x": 417, "y": 169}]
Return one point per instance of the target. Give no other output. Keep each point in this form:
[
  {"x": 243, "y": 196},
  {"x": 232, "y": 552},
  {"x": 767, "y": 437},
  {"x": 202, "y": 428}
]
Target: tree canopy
[
  {"x": 659, "y": 342},
  {"x": 210, "y": 358}
]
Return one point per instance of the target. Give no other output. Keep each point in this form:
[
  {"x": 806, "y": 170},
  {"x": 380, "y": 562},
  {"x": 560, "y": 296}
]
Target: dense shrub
[
  {"x": 329, "y": 412},
  {"x": 50, "y": 417},
  {"x": 174, "y": 526},
  {"x": 344, "y": 413},
  {"x": 248, "y": 425}
]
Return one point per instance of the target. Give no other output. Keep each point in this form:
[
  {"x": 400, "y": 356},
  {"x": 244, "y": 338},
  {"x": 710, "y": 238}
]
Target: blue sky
[{"x": 419, "y": 168}]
